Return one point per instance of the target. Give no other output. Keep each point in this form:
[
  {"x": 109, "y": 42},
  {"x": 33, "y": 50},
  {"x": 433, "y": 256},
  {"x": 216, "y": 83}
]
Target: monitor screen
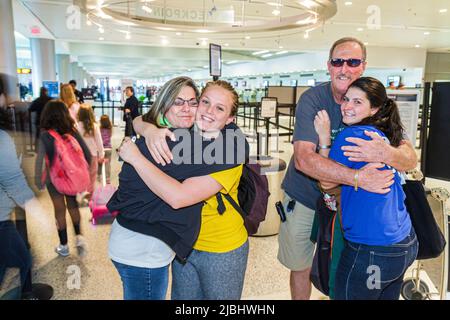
[{"x": 52, "y": 87}]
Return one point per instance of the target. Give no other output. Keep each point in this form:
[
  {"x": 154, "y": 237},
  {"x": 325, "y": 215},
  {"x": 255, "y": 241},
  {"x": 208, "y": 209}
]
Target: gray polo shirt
[{"x": 296, "y": 184}]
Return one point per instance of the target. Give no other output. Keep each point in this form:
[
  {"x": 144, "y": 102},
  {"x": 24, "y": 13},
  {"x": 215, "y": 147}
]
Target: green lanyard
[{"x": 164, "y": 122}]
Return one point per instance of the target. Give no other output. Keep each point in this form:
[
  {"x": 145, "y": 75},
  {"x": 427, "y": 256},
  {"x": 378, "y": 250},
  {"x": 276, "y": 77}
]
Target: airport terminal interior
[{"x": 265, "y": 49}]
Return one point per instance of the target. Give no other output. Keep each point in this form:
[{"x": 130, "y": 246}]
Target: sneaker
[
  {"x": 81, "y": 246},
  {"x": 62, "y": 250},
  {"x": 83, "y": 198}
]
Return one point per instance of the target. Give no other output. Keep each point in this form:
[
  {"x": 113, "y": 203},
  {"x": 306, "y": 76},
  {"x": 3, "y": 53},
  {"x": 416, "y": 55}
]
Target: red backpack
[{"x": 69, "y": 172}]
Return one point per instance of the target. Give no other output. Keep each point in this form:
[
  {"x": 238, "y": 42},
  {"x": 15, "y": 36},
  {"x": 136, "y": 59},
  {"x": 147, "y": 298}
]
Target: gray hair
[
  {"x": 166, "y": 98},
  {"x": 349, "y": 39}
]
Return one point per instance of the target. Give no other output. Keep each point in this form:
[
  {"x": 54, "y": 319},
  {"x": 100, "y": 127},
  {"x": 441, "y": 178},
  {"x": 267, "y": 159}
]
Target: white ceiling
[{"x": 403, "y": 23}]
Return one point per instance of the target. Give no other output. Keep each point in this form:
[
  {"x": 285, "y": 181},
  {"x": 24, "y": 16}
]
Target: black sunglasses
[{"x": 337, "y": 62}]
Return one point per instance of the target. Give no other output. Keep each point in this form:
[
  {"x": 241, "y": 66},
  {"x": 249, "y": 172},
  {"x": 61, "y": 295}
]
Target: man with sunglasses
[{"x": 346, "y": 63}]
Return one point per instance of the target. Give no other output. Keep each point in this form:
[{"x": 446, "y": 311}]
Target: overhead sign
[
  {"x": 215, "y": 60},
  {"x": 23, "y": 71},
  {"x": 212, "y": 14}
]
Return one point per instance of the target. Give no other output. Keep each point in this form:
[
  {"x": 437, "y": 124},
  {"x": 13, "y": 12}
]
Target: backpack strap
[
  {"x": 220, "y": 205},
  {"x": 234, "y": 204}
]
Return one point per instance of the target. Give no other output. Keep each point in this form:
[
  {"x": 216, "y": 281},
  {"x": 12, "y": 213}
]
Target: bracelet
[
  {"x": 324, "y": 146},
  {"x": 356, "y": 180}
]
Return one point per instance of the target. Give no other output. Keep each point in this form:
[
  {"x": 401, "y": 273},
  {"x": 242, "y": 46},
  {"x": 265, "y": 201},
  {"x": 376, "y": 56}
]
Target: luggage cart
[{"x": 415, "y": 288}]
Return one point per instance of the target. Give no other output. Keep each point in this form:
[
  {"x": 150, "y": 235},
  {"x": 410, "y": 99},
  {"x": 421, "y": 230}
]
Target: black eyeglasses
[
  {"x": 353, "y": 63},
  {"x": 191, "y": 103}
]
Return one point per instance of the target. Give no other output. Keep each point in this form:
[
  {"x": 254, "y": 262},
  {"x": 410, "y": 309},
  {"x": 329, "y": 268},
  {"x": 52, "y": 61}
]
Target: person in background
[
  {"x": 346, "y": 63},
  {"x": 391, "y": 85},
  {"x": 377, "y": 227},
  {"x": 37, "y": 106},
  {"x": 14, "y": 191},
  {"x": 130, "y": 109},
  {"x": 90, "y": 131},
  {"x": 77, "y": 93},
  {"x": 401, "y": 86},
  {"x": 106, "y": 132},
  {"x": 56, "y": 116},
  {"x": 68, "y": 97}
]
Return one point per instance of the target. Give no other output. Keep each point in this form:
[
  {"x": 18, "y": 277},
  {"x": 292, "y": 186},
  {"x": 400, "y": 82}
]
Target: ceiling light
[
  {"x": 260, "y": 52},
  {"x": 281, "y": 52},
  {"x": 128, "y": 36},
  {"x": 204, "y": 43},
  {"x": 205, "y": 67},
  {"x": 89, "y": 22},
  {"x": 147, "y": 9},
  {"x": 426, "y": 33},
  {"x": 306, "y": 35},
  {"x": 231, "y": 62},
  {"x": 442, "y": 10},
  {"x": 267, "y": 55},
  {"x": 164, "y": 28},
  {"x": 366, "y": 43},
  {"x": 226, "y": 44},
  {"x": 202, "y": 31},
  {"x": 360, "y": 29},
  {"x": 164, "y": 41},
  {"x": 101, "y": 30},
  {"x": 348, "y": 3},
  {"x": 178, "y": 33},
  {"x": 276, "y": 12},
  {"x": 126, "y": 23},
  {"x": 417, "y": 45},
  {"x": 101, "y": 38},
  {"x": 280, "y": 47},
  {"x": 308, "y": 3},
  {"x": 274, "y": 4},
  {"x": 247, "y": 37}
]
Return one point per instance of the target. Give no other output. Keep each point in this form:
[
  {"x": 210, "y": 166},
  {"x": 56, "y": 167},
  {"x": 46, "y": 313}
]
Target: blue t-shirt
[
  {"x": 296, "y": 184},
  {"x": 370, "y": 218}
]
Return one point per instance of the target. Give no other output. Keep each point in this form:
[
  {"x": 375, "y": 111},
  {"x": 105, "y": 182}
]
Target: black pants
[{"x": 14, "y": 254}]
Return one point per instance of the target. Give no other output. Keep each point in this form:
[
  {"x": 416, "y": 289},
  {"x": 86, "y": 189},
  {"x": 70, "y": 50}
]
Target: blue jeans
[
  {"x": 14, "y": 254},
  {"x": 374, "y": 272},
  {"x": 143, "y": 283},
  {"x": 210, "y": 276}
]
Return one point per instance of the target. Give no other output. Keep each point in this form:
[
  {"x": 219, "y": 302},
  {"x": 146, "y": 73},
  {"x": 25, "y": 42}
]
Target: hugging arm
[
  {"x": 316, "y": 166},
  {"x": 174, "y": 193},
  {"x": 155, "y": 139},
  {"x": 401, "y": 158}
]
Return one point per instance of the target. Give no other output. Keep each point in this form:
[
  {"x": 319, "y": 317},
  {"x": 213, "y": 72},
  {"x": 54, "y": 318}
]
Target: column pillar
[
  {"x": 63, "y": 68},
  {"x": 8, "y": 58},
  {"x": 44, "y": 62}
]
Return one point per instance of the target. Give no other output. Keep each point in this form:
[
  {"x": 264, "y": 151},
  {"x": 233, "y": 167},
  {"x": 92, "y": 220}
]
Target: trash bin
[{"x": 274, "y": 169}]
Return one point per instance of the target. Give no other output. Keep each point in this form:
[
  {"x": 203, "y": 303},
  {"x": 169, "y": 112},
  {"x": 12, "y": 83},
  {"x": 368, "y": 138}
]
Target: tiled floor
[{"x": 265, "y": 278}]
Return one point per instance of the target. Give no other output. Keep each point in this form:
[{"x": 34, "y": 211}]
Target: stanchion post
[{"x": 424, "y": 128}]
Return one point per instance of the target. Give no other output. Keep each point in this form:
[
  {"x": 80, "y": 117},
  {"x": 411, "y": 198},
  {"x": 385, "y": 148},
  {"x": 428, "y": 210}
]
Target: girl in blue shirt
[{"x": 381, "y": 242}]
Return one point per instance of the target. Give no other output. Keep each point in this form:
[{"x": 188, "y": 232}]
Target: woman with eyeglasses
[
  {"x": 380, "y": 239},
  {"x": 164, "y": 209}
]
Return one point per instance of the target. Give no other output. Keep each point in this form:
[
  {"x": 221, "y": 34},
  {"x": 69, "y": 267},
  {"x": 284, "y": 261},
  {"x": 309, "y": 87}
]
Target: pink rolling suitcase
[{"x": 101, "y": 196}]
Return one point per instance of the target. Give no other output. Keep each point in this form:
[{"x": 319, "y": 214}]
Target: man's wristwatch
[{"x": 323, "y": 146}]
